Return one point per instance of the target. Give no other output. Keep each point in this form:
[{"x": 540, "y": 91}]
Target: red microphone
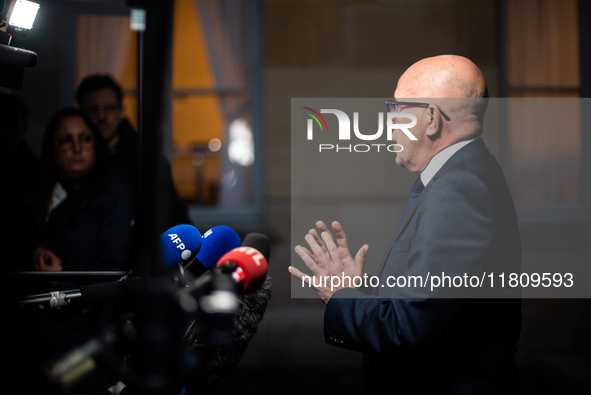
[{"x": 250, "y": 267}]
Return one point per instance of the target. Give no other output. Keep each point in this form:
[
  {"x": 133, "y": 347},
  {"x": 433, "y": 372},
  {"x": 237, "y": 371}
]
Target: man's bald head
[
  {"x": 452, "y": 85},
  {"x": 444, "y": 76}
]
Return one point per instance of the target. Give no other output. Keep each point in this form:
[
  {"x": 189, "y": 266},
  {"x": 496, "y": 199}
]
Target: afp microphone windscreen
[{"x": 180, "y": 244}]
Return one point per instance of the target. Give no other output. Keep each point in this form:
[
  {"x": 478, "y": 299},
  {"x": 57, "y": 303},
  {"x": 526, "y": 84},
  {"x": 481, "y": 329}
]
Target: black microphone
[
  {"x": 87, "y": 296},
  {"x": 259, "y": 241},
  {"x": 246, "y": 265},
  {"x": 140, "y": 341},
  {"x": 231, "y": 300},
  {"x": 178, "y": 245},
  {"x": 218, "y": 357},
  {"x": 81, "y": 361}
]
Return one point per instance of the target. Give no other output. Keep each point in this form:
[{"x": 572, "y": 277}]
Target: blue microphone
[
  {"x": 180, "y": 244},
  {"x": 215, "y": 243}
]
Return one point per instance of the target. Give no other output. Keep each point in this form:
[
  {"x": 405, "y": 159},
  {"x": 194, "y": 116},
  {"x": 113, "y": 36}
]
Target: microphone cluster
[
  {"x": 187, "y": 256},
  {"x": 210, "y": 278}
]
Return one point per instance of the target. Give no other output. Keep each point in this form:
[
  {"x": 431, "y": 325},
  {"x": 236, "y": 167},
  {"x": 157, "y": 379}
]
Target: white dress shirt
[{"x": 439, "y": 160}]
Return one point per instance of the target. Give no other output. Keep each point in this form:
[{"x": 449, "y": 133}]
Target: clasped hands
[{"x": 328, "y": 257}]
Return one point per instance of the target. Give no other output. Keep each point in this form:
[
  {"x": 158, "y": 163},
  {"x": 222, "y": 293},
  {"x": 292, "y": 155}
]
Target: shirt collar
[{"x": 439, "y": 160}]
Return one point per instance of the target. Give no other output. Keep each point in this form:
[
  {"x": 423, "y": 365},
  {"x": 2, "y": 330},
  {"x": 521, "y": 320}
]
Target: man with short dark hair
[{"x": 101, "y": 98}]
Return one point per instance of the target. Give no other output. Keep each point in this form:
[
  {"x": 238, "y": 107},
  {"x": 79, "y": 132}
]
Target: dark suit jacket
[
  {"x": 125, "y": 161},
  {"x": 417, "y": 341}
]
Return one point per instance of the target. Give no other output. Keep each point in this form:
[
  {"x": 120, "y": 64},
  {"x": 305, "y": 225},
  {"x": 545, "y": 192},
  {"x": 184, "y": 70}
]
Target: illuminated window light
[{"x": 241, "y": 145}]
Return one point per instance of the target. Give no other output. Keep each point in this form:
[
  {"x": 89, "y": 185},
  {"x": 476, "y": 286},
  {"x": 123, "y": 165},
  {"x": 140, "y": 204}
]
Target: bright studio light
[{"x": 23, "y": 14}]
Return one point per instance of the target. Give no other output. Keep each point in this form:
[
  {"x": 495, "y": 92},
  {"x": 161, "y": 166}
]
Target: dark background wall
[{"x": 356, "y": 48}]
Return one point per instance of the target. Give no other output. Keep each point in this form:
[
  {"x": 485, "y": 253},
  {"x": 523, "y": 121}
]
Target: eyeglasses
[
  {"x": 106, "y": 108},
  {"x": 84, "y": 141},
  {"x": 396, "y": 106}
]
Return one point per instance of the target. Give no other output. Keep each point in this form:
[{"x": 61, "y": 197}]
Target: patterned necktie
[{"x": 416, "y": 190}]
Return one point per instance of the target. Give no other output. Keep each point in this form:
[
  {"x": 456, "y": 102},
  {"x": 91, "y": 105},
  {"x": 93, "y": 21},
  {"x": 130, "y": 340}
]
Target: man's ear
[{"x": 432, "y": 121}]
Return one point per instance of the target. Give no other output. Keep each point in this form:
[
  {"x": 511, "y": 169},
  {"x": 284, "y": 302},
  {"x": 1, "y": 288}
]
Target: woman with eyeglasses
[
  {"x": 82, "y": 221},
  {"x": 83, "y": 215}
]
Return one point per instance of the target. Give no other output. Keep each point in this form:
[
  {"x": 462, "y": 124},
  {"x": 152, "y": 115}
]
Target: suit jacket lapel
[{"x": 475, "y": 147}]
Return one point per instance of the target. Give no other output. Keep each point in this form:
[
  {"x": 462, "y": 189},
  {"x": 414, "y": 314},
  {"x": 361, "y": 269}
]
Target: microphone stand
[
  {"x": 155, "y": 354},
  {"x": 149, "y": 342},
  {"x": 69, "y": 275}
]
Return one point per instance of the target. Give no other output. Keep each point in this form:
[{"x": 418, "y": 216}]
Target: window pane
[
  {"x": 212, "y": 133},
  {"x": 545, "y": 150},
  {"x": 213, "y": 151},
  {"x": 545, "y": 135}
]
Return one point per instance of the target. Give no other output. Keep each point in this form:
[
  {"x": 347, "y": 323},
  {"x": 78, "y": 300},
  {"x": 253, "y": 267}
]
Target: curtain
[
  {"x": 227, "y": 25},
  {"x": 544, "y": 126},
  {"x": 103, "y": 45}
]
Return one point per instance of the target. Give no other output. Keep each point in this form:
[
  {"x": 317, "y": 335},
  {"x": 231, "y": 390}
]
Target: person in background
[
  {"x": 83, "y": 216},
  {"x": 82, "y": 220},
  {"x": 100, "y": 97}
]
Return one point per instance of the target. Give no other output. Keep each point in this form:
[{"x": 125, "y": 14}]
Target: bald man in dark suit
[{"x": 462, "y": 221}]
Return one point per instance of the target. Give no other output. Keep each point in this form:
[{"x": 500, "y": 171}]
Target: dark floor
[
  {"x": 297, "y": 382},
  {"x": 301, "y": 382},
  {"x": 532, "y": 382}
]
